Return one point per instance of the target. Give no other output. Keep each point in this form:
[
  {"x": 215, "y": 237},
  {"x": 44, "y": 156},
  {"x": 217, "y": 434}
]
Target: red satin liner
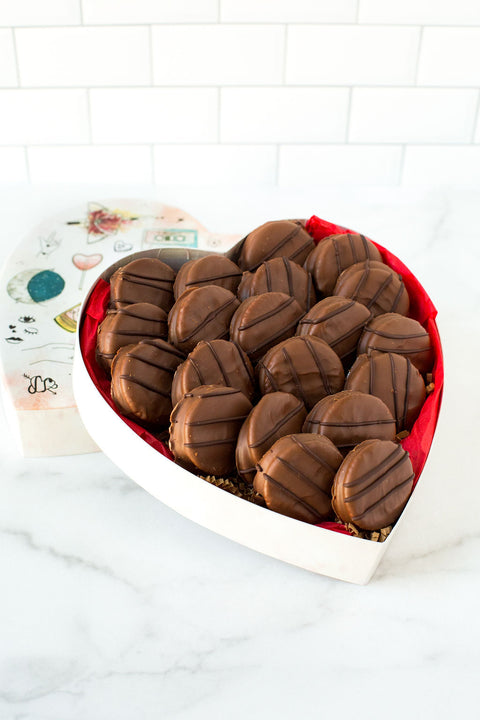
[{"x": 421, "y": 308}]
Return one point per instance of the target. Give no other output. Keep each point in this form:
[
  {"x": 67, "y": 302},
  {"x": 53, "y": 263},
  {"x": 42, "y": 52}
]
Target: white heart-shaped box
[{"x": 317, "y": 549}]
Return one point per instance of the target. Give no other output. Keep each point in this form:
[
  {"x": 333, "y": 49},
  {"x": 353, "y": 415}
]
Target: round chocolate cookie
[
  {"x": 208, "y": 270},
  {"x": 287, "y": 238},
  {"x": 394, "y": 380},
  {"x": 373, "y": 484},
  {"x": 295, "y": 476},
  {"x": 350, "y": 417},
  {"x": 142, "y": 379},
  {"x": 202, "y": 313},
  {"x": 128, "y": 326},
  {"x": 277, "y": 414},
  {"x": 214, "y": 362},
  {"x": 375, "y": 285},
  {"x": 264, "y": 320},
  {"x": 334, "y": 254},
  {"x": 337, "y": 320},
  {"x": 143, "y": 280},
  {"x": 204, "y": 428},
  {"x": 401, "y": 335},
  {"x": 304, "y": 366},
  {"x": 279, "y": 275}
]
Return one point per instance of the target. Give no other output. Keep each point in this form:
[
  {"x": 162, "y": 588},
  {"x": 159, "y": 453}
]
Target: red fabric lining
[{"x": 421, "y": 308}]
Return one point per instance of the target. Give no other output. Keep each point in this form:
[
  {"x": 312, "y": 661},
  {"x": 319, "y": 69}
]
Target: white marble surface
[{"x": 113, "y": 606}]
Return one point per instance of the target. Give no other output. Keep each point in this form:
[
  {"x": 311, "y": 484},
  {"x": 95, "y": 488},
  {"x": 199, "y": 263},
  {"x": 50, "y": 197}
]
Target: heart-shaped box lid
[{"x": 44, "y": 282}]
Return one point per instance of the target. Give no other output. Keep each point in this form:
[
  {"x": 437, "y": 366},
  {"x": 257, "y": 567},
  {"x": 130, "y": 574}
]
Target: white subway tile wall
[{"x": 240, "y": 92}]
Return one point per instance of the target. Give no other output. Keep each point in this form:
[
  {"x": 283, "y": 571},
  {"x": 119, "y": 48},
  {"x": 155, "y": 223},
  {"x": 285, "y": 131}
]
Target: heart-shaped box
[{"x": 148, "y": 461}]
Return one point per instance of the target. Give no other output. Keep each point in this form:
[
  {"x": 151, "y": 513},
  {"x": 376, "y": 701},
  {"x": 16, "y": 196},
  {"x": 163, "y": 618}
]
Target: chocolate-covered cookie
[
  {"x": 143, "y": 280},
  {"x": 304, "y": 366},
  {"x": 334, "y": 254},
  {"x": 375, "y": 285},
  {"x": 295, "y": 476},
  {"x": 214, "y": 362},
  {"x": 208, "y": 270},
  {"x": 142, "y": 379},
  {"x": 264, "y": 320},
  {"x": 287, "y": 238},
  {"x": 373, "y": 484},
  {"x": 202, "y": 313},
  {"x": 128, "y": 326},
  {"x": 394, "y": 380},
  {"x": 337, "y": 320},
  {"x": 277, "y": 414},
  {"x": 396, "y": 333},
  {"x": 349, "y": 417},
  {"x": 204, "y": 428},
  {"x": 279, "y": 275}
]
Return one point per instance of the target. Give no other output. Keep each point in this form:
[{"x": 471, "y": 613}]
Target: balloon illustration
[
  {"x": 35, "y": 286},
  {"x": 84, "y": 263}
]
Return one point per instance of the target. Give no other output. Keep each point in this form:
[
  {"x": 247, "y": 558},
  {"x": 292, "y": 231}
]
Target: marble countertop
[{"x": 114, "y": 607}]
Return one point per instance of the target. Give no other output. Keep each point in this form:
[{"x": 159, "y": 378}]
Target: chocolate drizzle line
[
  {"x": 208, "y": 318},
  {"x": 276, "y": 335},
  {"x": 294, "y": 374},
  {"x": 196, "y": 367},
  {"x": 337, "y": 254},
  {"x": 398, "y": 295},
  {"x": 219, "y": 363},
  {"x": 380, "y": 290},
  {"x": 271, "y": 378},
  {"x": 209, "y": 280},
  {"x": 360, "y": 423},
  {"x": 405, "y": 404},
  {"x": 306, "y": 478},
  {"x": 285, "y": 490},
  {"x": 383, "y": 467},
  {"x": 315, "y": 321},
  {"x": 382, "y": 499},
  {"x": 150, "y": 363},
  {"x": 279, "y": 245},
  {"x": 148, "y": 282},
  {"x": 146, "y": 386},
  {"x": 394, "y": 386},
  {"x": 215, "y": 421},
  {"x": 313, "y": 454},
  {"x": 268, "y": 276},
  {"x": 277, "y": 426},
  {"x": 268, "y": 314},
  {"x": 352, "y": 248},
  {"x": 321, "y": 369},
  {"x": 288, "y": 271}
]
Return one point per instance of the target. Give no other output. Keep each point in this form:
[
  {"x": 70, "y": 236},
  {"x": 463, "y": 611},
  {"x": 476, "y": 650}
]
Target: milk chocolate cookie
[
  {"x": 287, "y": 238},
  {"x": 277, "y": 414},
  {"x": 394, "y": 380},
  {"x": 202, "y": 313},
  {"x": 304, "y": 366},
  {"x": 126, "y": 326},
  {"x": 295, "y": 476},
  {"x": 373, "y": 484},
  {"x": 334, "y": 254},
  {"x": 264, "y": 320},
  {"x": 142, "y": 280},
  {"x": 208, "y": 270},
  {"x": 142, "y": 379},
  {"x": 279, "y": 275},
  {"x": 375, "y": 285},
  {"x": 214, "y": 362},
  {"x": 204, "y": 428},
  {"x": 350, "y": 417},
  {"x": 401, "y": 335},
  {"x": 338, "y": 321}
]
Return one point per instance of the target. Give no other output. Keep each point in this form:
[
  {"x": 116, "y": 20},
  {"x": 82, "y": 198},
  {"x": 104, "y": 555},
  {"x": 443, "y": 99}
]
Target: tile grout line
[
  {"x": 219, "y": 115},
  {"x": 15, "y": 56},
  {"x": 419, "y": 51},
  {"x": 218, "y": 11},
  {"x": 284, "y": 65},
  {"x": 89, "y": 117},
  {"x": 475, "y": 119},
  {"x": 357, "y": 14},
  {"x": 262, "y": 23},
  {"x": 349, "y": 113},
  {"x": 244, "y": 86},
  {"x": 27, "y": 163},
  {"x": 283, "y": 143},
  {"x": 80, "y": 7},
  {"x": 153, "y": 174},
  {"x": 402, "y": 164},
  {"x": 150, "y": 54}
]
